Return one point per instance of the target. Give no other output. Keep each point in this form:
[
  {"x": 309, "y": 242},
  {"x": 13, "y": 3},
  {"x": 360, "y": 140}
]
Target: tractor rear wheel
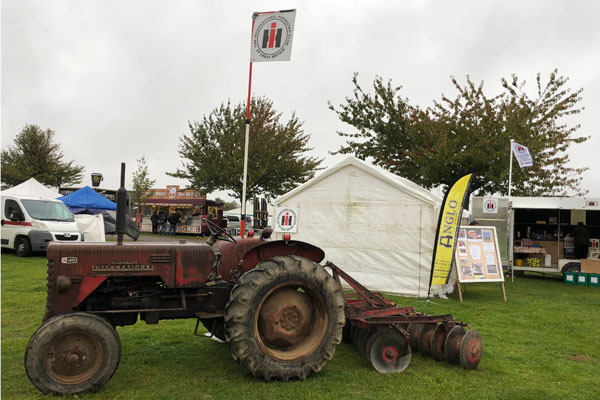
[
  {"x": 72, "y": 353},
  {"x": 284, "y": 318}
]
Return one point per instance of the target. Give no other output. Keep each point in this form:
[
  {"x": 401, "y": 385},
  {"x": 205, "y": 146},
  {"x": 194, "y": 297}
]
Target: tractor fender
[{"x": 275, "y": 248}]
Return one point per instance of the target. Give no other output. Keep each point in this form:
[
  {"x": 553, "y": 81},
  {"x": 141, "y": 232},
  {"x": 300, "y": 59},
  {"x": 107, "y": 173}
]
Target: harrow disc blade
[
  {"x": 346, "y": 338},
  {"x": 354, "y": 331},
  {"x": 363, "y": 337},
  {"x": 414, "y": 330},
  {"x": 471, "y": 348},
  {"x": 425, "y": 339},
  {"x": 438, "y": 339},
  {"x": 452, "y": 345},
  {"x": 388, "y": 352}
]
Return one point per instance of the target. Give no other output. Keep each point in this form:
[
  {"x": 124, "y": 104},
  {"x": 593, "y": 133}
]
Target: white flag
[
  {"x": 522, "y": 155},
  {"x": 272, "y": 36}
]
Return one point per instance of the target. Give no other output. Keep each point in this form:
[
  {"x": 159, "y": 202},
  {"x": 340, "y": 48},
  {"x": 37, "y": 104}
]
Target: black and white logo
[
  {"x": 490, "y": 206},
  {"x": 272, "y": 37}
]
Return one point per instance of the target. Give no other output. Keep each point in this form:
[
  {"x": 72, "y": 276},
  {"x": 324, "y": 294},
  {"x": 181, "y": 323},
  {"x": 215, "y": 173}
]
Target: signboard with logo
[
  {"x": 272, "y": 36},
  {"x": 286, "y": 220},
  {"x": 490, "y": 205}
]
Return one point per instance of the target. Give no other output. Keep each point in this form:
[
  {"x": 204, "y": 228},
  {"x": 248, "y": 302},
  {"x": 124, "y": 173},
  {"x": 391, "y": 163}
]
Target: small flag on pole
[
  {"x": 522, "y": 155},
  {"x": 272, "y": 36}
]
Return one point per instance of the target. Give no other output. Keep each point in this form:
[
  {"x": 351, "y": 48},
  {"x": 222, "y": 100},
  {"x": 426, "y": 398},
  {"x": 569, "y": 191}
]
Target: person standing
[
  {"x": 581, "y": 240},
  {"x": 154, "y": 220},
  {"x": 173, "y": 220},
  {"x": 162, "y": 220}
]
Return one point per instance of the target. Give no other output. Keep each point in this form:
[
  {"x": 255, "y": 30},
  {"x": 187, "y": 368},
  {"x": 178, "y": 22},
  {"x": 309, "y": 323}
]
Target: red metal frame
[{"x": 365, "y": 308}]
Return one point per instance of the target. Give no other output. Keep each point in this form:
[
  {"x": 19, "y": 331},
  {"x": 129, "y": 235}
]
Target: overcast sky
[{"x": 118, "y": 79}]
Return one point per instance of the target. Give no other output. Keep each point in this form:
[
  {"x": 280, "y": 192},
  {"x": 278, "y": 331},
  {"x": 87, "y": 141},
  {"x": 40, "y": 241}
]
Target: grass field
[{"x": 542, "y": 344}]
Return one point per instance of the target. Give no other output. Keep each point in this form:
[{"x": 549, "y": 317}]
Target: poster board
[{"x": 477, "y": 255}]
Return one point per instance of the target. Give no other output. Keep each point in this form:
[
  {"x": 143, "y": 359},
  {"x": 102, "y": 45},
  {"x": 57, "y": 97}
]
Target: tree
[
  {"x": 228, "y": 205},
  {"x": 470, "y": 133},
  {"x": 35, "y": 155},
  {"x": 213, "y": 153},
  {"x": 141, "y": 183}
]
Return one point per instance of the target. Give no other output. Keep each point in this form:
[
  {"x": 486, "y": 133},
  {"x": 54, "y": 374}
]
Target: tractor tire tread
[{"x": 246, "y": 295}]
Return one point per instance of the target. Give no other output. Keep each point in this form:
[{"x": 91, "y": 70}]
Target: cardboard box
[{"x": 590, "y": 266}]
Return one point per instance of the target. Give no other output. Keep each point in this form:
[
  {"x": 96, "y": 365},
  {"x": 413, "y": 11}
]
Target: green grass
[{"x": 542, "y": 344}]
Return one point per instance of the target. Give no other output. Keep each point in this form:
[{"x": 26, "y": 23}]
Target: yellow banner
[{"x": 447, "y": 229}]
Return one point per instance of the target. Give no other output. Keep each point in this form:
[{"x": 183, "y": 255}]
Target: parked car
[{"x": 234, "y": 224}]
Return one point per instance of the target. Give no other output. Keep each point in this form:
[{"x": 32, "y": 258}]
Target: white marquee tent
[
  {"x": 377, "y": 226},
  {"x": 31, "y": 187}
]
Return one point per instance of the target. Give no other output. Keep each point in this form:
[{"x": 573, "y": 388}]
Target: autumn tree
[
  {"x": 141, "y": 183},
  {"x": 212, "y": 153},
  {"x": 469, "y": 133},
  {"x": 35, "y": 155},
  {"x": 228, "y": 205}
]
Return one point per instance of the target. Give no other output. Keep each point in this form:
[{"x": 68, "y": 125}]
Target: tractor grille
[
  {"x": 67, "y": 237},
  {"x": 51, "y": 295}
]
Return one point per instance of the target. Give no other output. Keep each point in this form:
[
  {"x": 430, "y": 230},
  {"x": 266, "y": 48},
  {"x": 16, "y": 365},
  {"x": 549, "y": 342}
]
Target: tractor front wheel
[
  {"x": 72, "y": 353},
  {"x": 284, "y": 318}
]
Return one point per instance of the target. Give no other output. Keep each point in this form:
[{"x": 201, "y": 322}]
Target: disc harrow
[{"x": 387, "y": 335}]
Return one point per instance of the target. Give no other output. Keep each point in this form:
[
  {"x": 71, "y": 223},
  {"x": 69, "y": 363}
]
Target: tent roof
[
  {"x": 32, "y": 187},
  {"x": 86, "y": 197},
  {"x": 396, "y": 181}
]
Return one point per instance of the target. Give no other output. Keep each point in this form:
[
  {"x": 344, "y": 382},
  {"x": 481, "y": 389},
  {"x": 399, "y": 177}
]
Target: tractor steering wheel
[{"x": 218, "y": 232}]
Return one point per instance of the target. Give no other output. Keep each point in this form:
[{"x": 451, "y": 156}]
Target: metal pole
[
  {"x": 510, "y": 168},
  {"x": 511, "y": 216},
  {"x": 246, "y": 142}
]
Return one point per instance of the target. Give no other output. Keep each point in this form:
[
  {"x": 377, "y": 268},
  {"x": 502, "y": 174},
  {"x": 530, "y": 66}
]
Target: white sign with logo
[
  {"x": 522, "y": 155},
  {"x": 272, "y": 36},
  {"x": 286, "y": 220},
  {"x": 490, "y": 205}
]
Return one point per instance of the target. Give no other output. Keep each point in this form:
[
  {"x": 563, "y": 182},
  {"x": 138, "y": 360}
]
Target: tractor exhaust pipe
[{"x": 121, "y": 207}]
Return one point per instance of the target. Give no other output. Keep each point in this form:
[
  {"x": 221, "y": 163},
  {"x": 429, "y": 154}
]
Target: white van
[{"x": 30, "y": 223}]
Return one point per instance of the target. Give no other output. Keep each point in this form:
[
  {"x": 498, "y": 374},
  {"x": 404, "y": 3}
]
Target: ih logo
[
  {"x": 490, "y": 206},
  {"x": 272, "y": 37},
  {"x": 287, "y": 220}
]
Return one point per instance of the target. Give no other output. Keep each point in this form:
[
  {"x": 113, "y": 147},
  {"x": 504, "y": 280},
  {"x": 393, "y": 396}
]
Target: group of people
[{"x": 165, "y": 221}]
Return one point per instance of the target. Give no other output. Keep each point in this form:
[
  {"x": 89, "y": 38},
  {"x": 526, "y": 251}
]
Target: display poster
[{"x": 478, "y": 255}]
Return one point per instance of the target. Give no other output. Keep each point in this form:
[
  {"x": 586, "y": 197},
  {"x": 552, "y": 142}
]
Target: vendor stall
[
  {"x": 191, "y": 205},
  {"x": 541, "y": 231}
]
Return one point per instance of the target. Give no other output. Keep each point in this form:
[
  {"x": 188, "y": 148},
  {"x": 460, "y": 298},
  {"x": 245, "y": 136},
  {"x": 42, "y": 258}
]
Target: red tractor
[{"x": 280, "y": 311}]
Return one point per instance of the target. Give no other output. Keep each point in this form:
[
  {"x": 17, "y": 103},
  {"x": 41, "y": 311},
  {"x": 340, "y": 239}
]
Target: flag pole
[
  {"x": 510, "y": 168},
  {"x": 246, "y": 142}
]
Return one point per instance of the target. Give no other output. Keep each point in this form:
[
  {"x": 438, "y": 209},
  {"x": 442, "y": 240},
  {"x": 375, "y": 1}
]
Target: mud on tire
[
  {"x": 284, "y": 318},
  {"x": 72, "y": 353}
]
